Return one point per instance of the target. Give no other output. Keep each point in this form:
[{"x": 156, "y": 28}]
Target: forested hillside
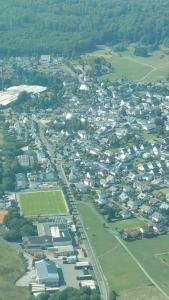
[{"x": 74, "y": 26}]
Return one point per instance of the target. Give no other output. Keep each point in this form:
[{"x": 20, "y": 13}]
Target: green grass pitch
[{"x": 42, "y": 203}]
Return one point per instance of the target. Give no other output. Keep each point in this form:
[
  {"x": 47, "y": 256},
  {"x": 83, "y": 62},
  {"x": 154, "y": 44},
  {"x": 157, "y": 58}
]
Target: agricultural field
[
  {"x": 121, "y": 272},
  {"x": 42, "y": 203},
  {"x": 126, "y": 65},
  {"x": 11, "y": 268}
]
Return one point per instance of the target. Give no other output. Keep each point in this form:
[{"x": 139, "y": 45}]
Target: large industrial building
[
  {"x": 52, "y": 235},
  {"x": 47, "y": 272},
  {"x": 11, "y": 94}
]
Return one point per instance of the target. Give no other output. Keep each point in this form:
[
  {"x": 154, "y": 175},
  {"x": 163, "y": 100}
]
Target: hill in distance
[{"x": 70, "y": 27}]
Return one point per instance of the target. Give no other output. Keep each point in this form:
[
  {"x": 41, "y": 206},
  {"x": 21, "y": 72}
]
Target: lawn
[
  {"x": 121, "y": 272},
  {"x": 11, "y": 267},
  {"x": 150, "y": 137},
  {"x": 164, "y": 257},
  {"x": 152, "y": 68},
  {"x": 142, "y": 293},
  {"x": 42, "y": 203},
  {"x": 126, "y": 224},
  {"x": 126, "y": 67},
  {"x": 150, "y": 253}
]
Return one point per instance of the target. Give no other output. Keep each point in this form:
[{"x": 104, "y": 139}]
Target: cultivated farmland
[{"x": 42, "y": 203}]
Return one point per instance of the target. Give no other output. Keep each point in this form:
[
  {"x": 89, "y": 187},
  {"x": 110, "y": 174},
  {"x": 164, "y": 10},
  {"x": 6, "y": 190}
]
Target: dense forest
[{"x": 69, "y": 27}]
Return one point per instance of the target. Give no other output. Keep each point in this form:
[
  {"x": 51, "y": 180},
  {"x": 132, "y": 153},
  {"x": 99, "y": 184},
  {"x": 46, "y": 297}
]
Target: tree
[
  {"x": 141, "y": 51},
  {"x": 7, "y": 183},
  {"x": 114, "y": 295},
  {"x": 167, "y": 77},
  {"x": 79, "y": 29},
  {"x": 17, "y": 225},
  {"x": 12, "y": 236},
  {"x": 27, "y": 230},
  {"x": 44, "y": 296},
  {"x": 23, "y": 97},
  {"x": 74, "y": 294}
]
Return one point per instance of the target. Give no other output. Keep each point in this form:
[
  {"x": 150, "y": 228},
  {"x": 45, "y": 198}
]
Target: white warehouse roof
[{"x": 11, "y": 94}]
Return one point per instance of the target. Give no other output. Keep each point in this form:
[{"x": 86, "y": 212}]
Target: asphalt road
[
  {"x": 113, "y": 232},
  {"x": 96, "y": 265},
  {"x": 101, "y": 281}
]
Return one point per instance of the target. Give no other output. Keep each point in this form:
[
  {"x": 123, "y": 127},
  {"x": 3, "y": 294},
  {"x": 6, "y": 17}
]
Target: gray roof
[
  {"x": 46, "y": 270},
  {"x": 38, "y": 241},
  {"x": 44, "y": 229}
]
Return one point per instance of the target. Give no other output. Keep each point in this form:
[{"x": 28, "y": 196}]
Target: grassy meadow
[
  {"x": 119, "y": 269},
  {"x": 155, "y": 67},
  {"x": 121, "y": 272},
  {"x": 11, "y": 268}
]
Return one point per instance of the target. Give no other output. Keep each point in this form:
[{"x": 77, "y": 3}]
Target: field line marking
[
  {"x": 159, "y": 257},
  {"x": 141, "y": 63},
  {"x": 140, "y": 266},
  {"x": 36, "y": 192},
  {"x": 162, "y": 253},
  {"x": 130, "y": 254},
  {"x": 109, "y": 251},
  {"x": 143, "y": 78},
  {"x": 65, "y": 202}
]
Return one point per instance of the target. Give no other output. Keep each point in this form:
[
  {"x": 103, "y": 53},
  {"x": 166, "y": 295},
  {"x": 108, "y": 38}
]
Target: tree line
[
  {"x": 18, "y": 226},
  {"x": 9, "y": 165},
  {"x": 50, "y": 99},
  {"x": 72, "y": 294},
  {"x": 70, "y": 27}
]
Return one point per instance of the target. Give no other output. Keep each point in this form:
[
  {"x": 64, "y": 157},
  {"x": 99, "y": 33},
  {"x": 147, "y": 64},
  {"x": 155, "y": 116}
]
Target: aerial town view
[{"x": 84, "y": 150}]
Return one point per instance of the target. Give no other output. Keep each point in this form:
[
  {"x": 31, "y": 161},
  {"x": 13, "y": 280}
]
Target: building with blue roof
[{"x": 47, "y": 272}]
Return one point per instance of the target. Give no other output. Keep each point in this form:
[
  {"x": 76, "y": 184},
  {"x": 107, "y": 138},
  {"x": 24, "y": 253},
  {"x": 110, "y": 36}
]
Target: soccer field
[{"x": 42, "y": 203}]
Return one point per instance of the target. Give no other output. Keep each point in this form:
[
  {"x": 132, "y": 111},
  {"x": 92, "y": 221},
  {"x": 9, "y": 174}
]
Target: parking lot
[
  {"x": 67, "y": 272},
  {"x": 70, "y": 274}
]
